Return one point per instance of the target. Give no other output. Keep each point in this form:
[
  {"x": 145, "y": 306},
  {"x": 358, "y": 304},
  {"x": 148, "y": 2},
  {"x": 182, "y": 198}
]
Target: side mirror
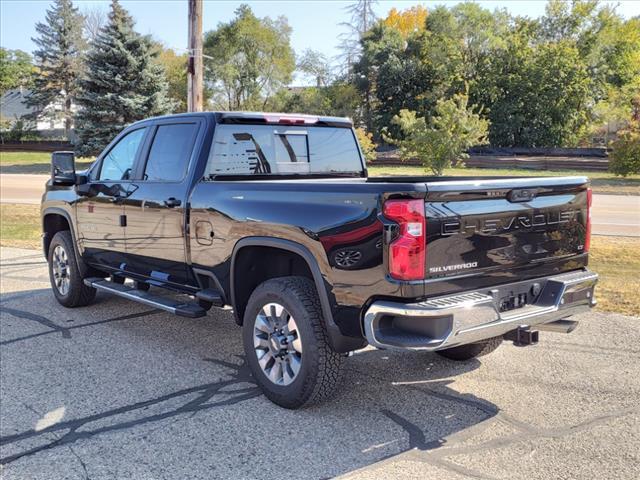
[
  {"x": 63, "y": 168},
  {"x": 83, "y": 187}
]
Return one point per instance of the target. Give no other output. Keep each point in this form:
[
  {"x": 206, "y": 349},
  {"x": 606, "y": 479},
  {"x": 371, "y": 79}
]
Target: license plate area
[
  {"x": 513, "y": 302},
  {"x": 517, "y": 296}
]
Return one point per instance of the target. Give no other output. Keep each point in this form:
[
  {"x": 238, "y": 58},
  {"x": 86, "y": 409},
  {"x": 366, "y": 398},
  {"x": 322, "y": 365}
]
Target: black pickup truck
[{"x": 274, "y": 216}]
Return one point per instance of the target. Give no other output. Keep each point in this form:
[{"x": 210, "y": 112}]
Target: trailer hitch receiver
[{"x": 522, "y": 336}]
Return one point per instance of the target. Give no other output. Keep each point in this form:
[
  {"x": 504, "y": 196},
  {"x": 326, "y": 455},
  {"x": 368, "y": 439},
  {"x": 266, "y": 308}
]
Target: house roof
[{"x": 12, "y": 104}]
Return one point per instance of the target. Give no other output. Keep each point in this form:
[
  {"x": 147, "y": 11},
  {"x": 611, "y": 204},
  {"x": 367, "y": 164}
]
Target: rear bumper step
[
  {"x": 453, "y": 320},
  {"x": 183, "y": 309},
  {"x": 559, "y": 326}
]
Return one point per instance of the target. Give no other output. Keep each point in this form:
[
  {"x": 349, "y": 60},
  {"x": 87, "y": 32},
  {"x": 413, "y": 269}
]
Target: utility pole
[{"x": 194, "y": 68}]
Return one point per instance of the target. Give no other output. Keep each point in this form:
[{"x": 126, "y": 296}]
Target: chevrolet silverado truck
[{"x": 274, "y": 217}]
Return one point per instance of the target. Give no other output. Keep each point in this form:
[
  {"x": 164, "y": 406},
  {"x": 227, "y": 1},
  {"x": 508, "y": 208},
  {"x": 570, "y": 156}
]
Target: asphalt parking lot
[{"x": 118, "y": 390}]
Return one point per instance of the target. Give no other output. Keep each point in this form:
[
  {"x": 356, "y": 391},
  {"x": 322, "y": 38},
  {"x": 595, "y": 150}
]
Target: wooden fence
[
  {"x": 534, "y": 159},
  {"x": 35, "y": 146}
]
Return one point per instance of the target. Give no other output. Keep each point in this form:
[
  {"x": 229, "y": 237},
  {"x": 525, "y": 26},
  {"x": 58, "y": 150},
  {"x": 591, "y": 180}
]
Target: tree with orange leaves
[{"x": 407, "y": 21}]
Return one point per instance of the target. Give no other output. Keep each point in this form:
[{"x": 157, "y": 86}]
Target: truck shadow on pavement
[{"x": 389, "y": 402}]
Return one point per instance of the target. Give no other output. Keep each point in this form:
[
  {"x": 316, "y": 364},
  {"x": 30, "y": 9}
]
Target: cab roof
[{"x": 265, "y": 118}]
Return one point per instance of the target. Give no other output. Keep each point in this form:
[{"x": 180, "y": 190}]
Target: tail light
[
  {"x": 407, "y": 253},
  {"x": 587, "y": 239}
]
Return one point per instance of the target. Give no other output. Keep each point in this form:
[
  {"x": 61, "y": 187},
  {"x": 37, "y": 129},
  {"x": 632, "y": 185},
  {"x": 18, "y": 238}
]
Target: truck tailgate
[{"x": 481, "y": 226}]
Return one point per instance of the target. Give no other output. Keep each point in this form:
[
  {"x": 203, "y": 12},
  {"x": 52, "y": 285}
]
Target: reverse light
[
  {"x": 587, "y": 239},
  {"x": 408, "y": 252}
]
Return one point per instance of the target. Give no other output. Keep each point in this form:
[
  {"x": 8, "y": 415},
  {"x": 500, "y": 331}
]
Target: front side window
[
  {"x": 170, "y": 152},
  {"x": 280, "y": 149},
  {"x": 118, "y": 163}
]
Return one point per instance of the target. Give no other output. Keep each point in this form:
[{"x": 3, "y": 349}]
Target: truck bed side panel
[{"x": 337, "y": 221}]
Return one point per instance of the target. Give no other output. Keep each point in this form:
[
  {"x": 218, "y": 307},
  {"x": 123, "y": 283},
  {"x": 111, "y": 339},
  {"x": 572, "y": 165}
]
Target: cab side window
[
  {"x": 170, "y": 152},
  {"x": 118, "y": 163}
]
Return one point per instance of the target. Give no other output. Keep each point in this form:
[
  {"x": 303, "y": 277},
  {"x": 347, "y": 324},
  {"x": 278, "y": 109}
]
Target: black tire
[
  {"x": 77, "y": 294},
  {"x": 472, "y": 350},
  {"x": 320, "y": 367}
]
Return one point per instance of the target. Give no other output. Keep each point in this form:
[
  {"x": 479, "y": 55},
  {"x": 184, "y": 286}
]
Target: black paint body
[{"x": 476, "y": 235}]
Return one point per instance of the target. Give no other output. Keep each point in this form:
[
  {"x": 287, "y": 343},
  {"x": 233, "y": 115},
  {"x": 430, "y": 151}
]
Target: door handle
[{"x": 172, "y": 202}]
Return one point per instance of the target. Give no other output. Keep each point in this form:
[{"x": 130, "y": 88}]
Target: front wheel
[
  {"x": 64, "y": 274},
  {"x": 286, "y": 343}
]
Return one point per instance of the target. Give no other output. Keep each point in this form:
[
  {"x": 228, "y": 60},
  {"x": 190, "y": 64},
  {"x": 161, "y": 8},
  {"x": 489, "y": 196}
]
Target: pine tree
[
  {"x": 58, "y": 60},
  {"x": 123, "y": 83}
]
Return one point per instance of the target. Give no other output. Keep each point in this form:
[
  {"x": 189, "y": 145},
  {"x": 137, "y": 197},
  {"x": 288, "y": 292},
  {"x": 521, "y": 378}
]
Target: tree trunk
[{"x": 67, "y": 117}]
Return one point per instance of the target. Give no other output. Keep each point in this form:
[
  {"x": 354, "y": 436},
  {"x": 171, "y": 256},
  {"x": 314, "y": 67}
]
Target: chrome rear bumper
[{"x": 447, "y": 321}]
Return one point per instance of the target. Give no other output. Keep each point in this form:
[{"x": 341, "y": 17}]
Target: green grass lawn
[
  {"x": 602, "y": 182},
  {"x": 20, "y": 225},
  {"x": 615, "y": 259},
  {"x": 617, "y": 262}
]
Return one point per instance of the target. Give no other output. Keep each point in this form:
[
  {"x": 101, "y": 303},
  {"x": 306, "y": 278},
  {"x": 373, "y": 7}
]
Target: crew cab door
[
  {"x": 100, "y": 210},
  {"x": 156, "y": 207}
]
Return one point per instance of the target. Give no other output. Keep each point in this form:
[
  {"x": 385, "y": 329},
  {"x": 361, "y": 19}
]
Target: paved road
[
  {"x": 616, "y": 215},
  {"x": 22, "y": 188},
  {"x": 119, "y": 390},
  {"x": 612, "y": 214}
]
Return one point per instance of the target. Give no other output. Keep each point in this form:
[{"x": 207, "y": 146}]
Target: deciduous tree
[
  {"x": 175, "y": 67},
  {"x": 442, "y": 140},
  {"x": 315, "y": 65},
  {"x": 393, "y": 72},
  {"x": 16, "y": 69},
  {"x": 408, "y": 21},
  {"x": 250, "y": 60},
  {"x": 367, "y": 145},
  {"x": 537, "y": 95},
  {"x": 361, "y": 19},
  {"x": 625, "y": 157},
  {"x": 339, "y": 99},
  {"x": 94, "y": 19}
]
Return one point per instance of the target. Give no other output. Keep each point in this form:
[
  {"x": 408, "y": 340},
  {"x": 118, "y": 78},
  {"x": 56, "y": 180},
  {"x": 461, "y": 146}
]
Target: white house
[{"x": 49, "y": 122}]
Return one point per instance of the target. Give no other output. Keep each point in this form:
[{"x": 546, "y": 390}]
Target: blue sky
[{"x": 314, "y": 22}]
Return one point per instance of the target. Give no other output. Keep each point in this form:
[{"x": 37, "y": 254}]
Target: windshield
[{"x": 240, "y": 149}]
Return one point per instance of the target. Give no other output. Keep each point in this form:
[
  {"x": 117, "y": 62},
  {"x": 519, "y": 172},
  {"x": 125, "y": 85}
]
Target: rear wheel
[
  {"x": 472, "y": 350},
  {"x": 286, "y": 343},
  {"x": 64, "y": 274}
]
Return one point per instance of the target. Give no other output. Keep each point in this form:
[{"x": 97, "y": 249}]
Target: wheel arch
[
  {"x": 55, "y": 220},
  {"x": 239, "y": 295}
]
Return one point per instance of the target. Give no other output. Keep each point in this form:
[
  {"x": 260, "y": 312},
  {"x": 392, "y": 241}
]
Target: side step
[
  {"x": 183, "y": 309},
  {"x": 211, "y": 296}
]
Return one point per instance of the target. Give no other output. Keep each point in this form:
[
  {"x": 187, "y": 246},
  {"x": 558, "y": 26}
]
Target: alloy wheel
[
  {"x": 277, "y": 343},
  {"x": 61, "y": 271}
]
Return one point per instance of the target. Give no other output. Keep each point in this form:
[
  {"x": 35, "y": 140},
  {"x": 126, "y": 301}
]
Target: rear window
[{"x": 282, "y": 149}]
